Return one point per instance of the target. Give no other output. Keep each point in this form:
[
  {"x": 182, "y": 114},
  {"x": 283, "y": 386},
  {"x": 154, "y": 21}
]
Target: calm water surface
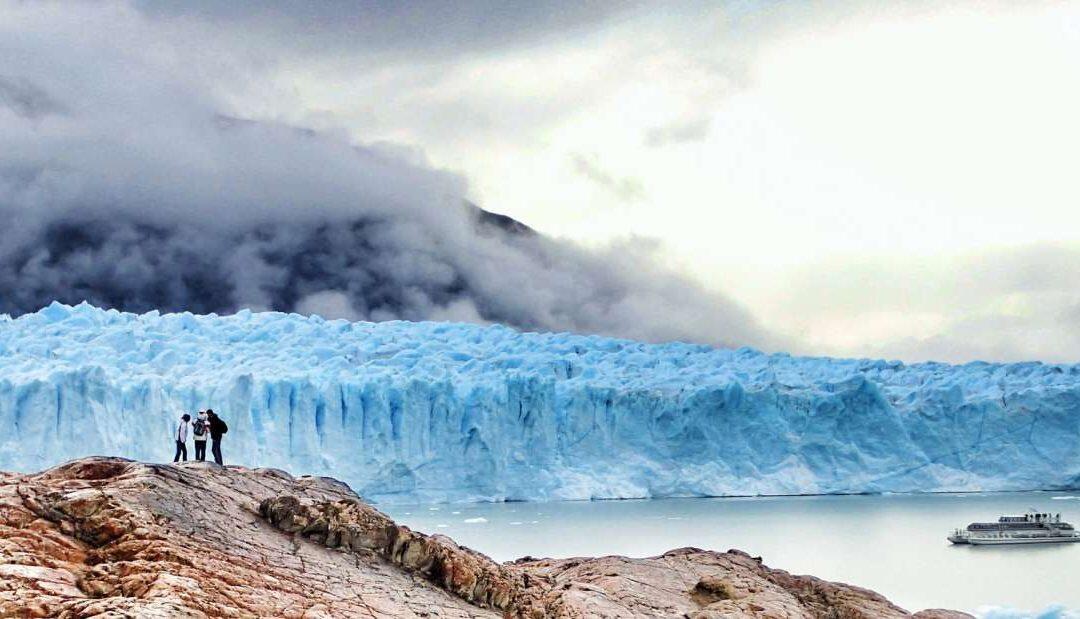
[{"x": 894, "y": 544}]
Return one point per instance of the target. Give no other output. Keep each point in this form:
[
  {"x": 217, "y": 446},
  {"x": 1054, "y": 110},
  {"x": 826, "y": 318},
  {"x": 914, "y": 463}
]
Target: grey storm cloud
[
  {"x": 627, "y": 189},
  {"x": 694, "y": 130},
  {"x": 25, "y": 99},
  {"x": 151, "y": 191},
  {"x": 1012, "y": 304},
  {"x": 424, "y": 27}
]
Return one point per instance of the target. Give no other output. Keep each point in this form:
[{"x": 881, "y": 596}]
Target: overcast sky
[{"x": 869, "y": 179}]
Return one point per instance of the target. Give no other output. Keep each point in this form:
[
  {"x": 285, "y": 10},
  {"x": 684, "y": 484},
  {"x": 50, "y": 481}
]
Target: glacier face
[{"x": 438, "y": 411}]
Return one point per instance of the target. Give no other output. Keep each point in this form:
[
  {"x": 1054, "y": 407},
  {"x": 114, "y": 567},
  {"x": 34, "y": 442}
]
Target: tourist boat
[{"x": 1031, "y": 528}]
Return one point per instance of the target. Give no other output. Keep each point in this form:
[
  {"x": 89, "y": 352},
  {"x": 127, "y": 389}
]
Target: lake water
[{"x": 893, "y": 544}]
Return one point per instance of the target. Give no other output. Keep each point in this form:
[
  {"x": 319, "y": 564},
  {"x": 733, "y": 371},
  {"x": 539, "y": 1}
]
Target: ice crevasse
[{"x": 450, "y": 412}]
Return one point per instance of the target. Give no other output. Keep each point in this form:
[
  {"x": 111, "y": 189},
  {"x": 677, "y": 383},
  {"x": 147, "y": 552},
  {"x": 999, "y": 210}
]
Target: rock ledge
[{"x": 106, "y": 537}]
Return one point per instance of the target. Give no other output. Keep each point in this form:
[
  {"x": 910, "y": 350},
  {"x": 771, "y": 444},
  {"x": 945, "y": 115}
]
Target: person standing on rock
[
  {"x": 217, "y": 429},
  {"x": 181, "y": 438},
  {"x": 201, "y": 429}
]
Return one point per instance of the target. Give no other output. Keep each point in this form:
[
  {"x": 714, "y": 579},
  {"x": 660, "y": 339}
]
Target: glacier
[{"x": 434, "y": 412}]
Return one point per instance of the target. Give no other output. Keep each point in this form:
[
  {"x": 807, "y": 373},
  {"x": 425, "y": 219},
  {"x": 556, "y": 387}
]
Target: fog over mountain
[{"x": 130, "y": 180}]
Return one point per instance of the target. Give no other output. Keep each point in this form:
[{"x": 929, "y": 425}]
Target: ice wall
[{"x": 436, "y": 411}]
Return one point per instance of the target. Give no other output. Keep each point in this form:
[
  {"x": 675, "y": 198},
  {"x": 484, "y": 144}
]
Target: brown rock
[
  {"x": 105, "y": 537},
  {"x": 711, "y": 589}
]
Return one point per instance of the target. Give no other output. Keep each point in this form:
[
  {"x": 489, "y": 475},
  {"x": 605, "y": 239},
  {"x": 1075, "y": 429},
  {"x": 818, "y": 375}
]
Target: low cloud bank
[{"x": 129, "y": 181}]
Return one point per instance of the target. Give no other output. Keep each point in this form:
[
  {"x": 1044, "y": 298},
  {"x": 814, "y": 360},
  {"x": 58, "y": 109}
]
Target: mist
[{"x": 131, "y": 179}]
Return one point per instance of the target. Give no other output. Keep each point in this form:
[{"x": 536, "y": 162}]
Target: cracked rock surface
[{"x": 106, "y": 537}]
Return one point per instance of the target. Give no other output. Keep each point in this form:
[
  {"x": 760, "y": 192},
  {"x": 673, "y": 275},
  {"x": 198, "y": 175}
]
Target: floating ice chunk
[
  {"x": 1050, "y": 612},
  {"x": 477, "y": 520}
]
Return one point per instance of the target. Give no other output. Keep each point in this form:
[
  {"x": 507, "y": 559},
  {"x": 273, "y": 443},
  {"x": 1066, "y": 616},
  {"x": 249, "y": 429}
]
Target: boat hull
[
  {"x": 1005, "y": 541},
  {"x": 1034, "y": 527}
]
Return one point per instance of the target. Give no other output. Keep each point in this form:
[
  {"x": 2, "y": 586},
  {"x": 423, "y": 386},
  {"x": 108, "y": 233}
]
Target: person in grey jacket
[{"x": 181, "y": 437}]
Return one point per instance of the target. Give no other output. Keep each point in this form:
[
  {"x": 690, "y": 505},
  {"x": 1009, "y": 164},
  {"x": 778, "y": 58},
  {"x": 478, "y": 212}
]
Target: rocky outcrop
[
  {"x": 112, "y": 538},
  {"x": 687, "y": 582},
  {"x": 350, "y": 525},
  {"x": 104, "y": 537}
]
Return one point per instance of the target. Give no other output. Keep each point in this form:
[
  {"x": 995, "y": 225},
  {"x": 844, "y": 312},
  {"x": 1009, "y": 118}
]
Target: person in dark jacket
[{"x": 217, "y": 429}]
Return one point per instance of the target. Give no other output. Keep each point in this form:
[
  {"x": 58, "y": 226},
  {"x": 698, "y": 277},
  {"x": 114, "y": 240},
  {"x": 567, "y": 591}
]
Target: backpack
[
  {"x": 221, "y": 424},
  {"x": 199, "y": 427}
]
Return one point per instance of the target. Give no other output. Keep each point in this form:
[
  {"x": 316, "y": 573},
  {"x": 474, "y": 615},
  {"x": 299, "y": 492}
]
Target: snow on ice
[{"x": 429, "y": 412}]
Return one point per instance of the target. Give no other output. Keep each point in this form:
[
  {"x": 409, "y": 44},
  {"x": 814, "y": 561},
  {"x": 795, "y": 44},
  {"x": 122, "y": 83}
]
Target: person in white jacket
[{"x": 181, "y": 437}]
